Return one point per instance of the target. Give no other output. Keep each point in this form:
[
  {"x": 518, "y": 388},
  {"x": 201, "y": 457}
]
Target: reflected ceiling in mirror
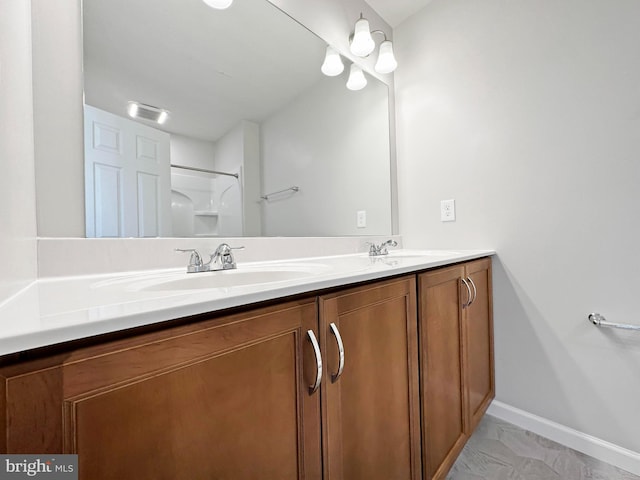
[{"x": 245, "y": 96}]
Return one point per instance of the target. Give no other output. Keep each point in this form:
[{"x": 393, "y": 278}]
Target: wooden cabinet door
[
  {"x": 441, "y": 363},
  {"x": 478, "y": 334},
  {"x": 225, "y": 399},
  {"x": 371, "y": 420}
]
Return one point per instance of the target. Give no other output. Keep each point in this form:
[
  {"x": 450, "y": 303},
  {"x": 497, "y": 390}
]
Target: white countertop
[{"x": 56, "y": 310}]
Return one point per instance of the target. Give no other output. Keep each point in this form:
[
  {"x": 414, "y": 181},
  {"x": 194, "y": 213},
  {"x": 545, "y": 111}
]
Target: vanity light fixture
[
  {"x": 357, "y": 80},
  {"x": 386, "y": 62},
  {"x": 362, "y": 44},
  {"x": 147, "y": 112},
  {"x": 218, "y": 4},
  {"x": 332, "y": 64}
]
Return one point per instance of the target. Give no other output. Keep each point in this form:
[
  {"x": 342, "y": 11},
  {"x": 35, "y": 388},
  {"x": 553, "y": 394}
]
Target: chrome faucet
[
  {"x": 221, "y": 259},
  {"x": 377, "y": 250}
]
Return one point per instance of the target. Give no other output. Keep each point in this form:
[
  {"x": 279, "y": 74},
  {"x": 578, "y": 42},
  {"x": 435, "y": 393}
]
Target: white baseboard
[{"x": 607, "y": 452}]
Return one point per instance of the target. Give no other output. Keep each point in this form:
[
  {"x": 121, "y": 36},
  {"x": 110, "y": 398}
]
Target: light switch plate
[
  {"x": 448, "y": 210},
  {"x": 361, "y": 218}
]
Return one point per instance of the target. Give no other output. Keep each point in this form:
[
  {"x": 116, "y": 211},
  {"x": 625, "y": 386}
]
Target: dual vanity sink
[
  {"x": 265, "y": 273},
  {"x": 54, "y": 310}
]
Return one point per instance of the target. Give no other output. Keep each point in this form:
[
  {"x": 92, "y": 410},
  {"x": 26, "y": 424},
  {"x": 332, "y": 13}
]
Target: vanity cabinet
[
  {"x": 456, "y": 346},
  {"x": 441, "y": 374},
  {"x": 385, "y": 380},
  {"x": 225, "y": 399},
  {"x": 370, "y": 399},
  {"x": 478, "y": 342}
]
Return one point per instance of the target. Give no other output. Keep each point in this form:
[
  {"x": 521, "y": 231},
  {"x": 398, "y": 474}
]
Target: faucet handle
[
  {"x": 195, "y": 260},
  {"x": 225, "y": 249},
  {"x": 389, "y": 243},
  {"x": 376, "y": 250},
  {"x": 373, "y": 249},
  {"x": 224, "y": 256}
]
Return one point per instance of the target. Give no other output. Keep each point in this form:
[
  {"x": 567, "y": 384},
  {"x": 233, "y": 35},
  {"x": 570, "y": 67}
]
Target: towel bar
[
  {"x": 600, "y": 321},
  {"x": 290, "y": 189}
]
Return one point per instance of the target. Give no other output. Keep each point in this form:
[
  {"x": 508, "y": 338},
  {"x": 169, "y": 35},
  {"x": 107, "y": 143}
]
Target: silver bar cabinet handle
[
  {"x": 475, "y": 291},
  {"x": 468, "y": 302},
  {"x": 336, "y": 333},
  {"x": 316, "y": 351}
]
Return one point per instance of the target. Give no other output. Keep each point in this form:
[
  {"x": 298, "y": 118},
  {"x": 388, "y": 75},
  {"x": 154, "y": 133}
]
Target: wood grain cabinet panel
[
  {"x": 371, "y": 420},
  {"x": 478, "y": 333},
  {"x": 443, "y": 394},
  {"x": 225, "y": 399},
  {"x": 456, "y": 369}
]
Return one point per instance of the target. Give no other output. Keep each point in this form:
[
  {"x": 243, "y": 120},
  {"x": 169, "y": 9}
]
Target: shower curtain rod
[{"x": 205, "y": 170}]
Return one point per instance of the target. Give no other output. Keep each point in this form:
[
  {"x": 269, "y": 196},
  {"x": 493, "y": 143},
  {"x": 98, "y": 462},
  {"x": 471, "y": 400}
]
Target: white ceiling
[
  {"x": 209, "y": 68},
  {"x": 394, "y": 12}
]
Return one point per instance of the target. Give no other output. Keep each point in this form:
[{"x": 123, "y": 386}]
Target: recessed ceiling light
[{"x": 147, "y": 112}]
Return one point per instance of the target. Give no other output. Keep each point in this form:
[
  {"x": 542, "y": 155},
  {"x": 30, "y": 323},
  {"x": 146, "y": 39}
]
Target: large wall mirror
[{"x": 256, "y": 141}]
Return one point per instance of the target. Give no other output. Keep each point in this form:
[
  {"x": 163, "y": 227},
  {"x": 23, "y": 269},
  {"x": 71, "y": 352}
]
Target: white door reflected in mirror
[{"x": 127, "y": 177}]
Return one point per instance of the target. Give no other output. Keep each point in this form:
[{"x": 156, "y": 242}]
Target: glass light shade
[
  {"x": 362, "y": 43},
  {"x": 386, "y": 61},
  {"x": 357, "y": 80},
  {"x": 219, "y": 4},
  {"x": 332, "y": 65}
]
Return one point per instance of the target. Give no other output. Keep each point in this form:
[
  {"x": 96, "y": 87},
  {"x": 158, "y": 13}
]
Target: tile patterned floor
[{"x": 502, "y": 451}]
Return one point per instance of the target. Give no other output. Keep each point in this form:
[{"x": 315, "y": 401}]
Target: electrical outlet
[
  {"x": 448, "y": 210},
  {"x": 361, "y": 218}
]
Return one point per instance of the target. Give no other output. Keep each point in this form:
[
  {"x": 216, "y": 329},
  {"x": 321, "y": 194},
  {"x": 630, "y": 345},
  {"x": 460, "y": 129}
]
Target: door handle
[
  {"x": 316, "y": 350},
  {"x": 336, "y": 333},
  {"x": 468, "y": 302},
  {"x": 475, "y": 291}
]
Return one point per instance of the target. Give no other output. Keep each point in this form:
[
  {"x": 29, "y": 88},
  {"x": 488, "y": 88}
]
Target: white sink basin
[
  {"x": 242, "y": 276},
  {"x": 223, "y": 279},
  {"x": 260, "y": 273}
]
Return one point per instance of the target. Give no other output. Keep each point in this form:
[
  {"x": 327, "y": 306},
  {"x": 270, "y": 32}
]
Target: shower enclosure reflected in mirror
[{"x": 249, "y": 114}]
